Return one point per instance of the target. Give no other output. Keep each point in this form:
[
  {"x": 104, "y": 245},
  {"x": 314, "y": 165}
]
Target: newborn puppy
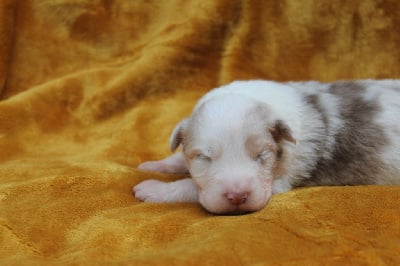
[{"x": 250, "y": 139}]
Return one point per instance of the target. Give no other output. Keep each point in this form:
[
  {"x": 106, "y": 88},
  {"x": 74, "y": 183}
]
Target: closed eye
[
  {"x": 202, "y": 157},
  {"x": 263, "y": 155}
]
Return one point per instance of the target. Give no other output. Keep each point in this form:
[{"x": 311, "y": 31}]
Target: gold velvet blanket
[{"x": 91, "y": 88}]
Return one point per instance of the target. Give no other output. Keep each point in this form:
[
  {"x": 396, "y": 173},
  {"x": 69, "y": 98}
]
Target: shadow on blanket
[{"x": 89, "y": 89}]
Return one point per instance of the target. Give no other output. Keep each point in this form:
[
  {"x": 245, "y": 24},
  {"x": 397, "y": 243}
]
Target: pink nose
[{"x": 236, "y": 198}]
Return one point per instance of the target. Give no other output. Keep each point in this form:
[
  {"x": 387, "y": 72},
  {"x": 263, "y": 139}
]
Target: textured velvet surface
[{"x": 89, "y": 89}]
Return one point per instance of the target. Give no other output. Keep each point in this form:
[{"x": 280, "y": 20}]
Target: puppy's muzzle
[{"x": 235, "y": 198}]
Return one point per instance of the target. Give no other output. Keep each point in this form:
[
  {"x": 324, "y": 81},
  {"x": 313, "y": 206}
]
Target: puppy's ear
[
  {"x": 280, "y": 131},
  {"x": 178, "y": 134}
]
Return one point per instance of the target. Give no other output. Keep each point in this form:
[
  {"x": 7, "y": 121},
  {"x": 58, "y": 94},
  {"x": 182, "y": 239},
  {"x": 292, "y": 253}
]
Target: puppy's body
[{"x": 249, "y": 139}]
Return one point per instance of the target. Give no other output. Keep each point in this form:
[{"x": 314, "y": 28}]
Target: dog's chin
[
  {"x": 231, "y": 210},
  {"x": 219, "y": 205},
  {"x": 235, "y": 213},
  {"x": 227, "y": 209}
]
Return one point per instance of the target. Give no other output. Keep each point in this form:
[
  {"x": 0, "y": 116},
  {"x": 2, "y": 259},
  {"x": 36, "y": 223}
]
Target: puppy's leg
[
  {"x": 174, "y": 164},
  {"x": 183, "y": 190}
]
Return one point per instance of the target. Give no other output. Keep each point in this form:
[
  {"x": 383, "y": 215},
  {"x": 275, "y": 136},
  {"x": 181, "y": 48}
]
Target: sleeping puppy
[{"x": 250, "y": 139}]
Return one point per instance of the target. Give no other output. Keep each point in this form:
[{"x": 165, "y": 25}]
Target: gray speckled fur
[{"x": 355, "y": 156}]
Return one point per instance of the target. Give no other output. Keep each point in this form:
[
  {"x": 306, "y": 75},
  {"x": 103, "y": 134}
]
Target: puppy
[{"x": 250, "y": 139}]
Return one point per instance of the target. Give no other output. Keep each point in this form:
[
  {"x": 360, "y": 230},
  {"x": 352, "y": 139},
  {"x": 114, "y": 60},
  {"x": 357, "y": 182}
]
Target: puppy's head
[{"x": 234, "y": 147}]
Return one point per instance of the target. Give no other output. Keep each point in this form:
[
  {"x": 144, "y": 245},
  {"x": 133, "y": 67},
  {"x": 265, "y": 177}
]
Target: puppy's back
[{"x": 365, "y": 144}]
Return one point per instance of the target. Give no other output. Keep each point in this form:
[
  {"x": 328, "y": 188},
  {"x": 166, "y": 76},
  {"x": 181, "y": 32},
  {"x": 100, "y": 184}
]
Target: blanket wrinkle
[
  {"x": 90, "y": 89},
  {"x": 7, "y": 18}
]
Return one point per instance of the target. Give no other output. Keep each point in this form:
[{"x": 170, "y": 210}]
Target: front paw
[
  {"x": 157, "y": 166},
  {"x": 151, "y": 191}
]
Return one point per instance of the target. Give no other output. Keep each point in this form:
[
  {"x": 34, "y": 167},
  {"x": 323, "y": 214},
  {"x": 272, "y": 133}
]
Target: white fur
[{"x": 228, "y": 175}]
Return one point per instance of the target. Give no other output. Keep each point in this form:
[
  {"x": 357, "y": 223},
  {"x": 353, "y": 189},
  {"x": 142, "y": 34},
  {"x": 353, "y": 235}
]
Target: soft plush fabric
[{"x": 89, "y": 89}]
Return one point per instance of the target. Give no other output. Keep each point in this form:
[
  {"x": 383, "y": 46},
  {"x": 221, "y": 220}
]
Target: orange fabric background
[{"x": 89, "y": 89}]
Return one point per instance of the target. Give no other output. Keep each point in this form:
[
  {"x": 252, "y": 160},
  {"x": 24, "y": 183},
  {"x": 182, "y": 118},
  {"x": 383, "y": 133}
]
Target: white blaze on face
[{"x": 230, "y": 154}]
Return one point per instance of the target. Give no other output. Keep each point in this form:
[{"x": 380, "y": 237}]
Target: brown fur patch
[
  {"x": 280, "y": 131},
  {"x": 355, "y": 159}
]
